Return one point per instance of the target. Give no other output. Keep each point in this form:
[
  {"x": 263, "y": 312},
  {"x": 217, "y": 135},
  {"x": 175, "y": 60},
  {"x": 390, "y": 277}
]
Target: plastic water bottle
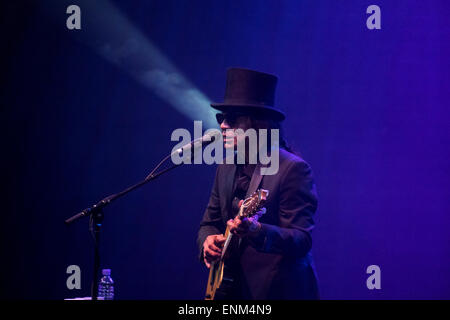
[{"x": 106, "y": 286}]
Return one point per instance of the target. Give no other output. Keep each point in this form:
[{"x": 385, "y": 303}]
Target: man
[{"x": 272, "y": 260}]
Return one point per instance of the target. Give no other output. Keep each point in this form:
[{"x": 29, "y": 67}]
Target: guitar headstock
[{"x": 253, "y": 203}]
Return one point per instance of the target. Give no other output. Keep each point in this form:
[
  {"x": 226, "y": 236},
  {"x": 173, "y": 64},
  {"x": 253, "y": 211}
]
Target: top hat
[{"x": 250, "y": 91}]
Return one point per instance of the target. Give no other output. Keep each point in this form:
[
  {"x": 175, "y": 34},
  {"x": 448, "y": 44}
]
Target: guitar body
[{"x": 220, "y": 275}]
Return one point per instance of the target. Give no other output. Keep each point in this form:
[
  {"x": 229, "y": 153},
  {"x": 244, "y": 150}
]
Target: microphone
[{"x": 206, "y": 139}]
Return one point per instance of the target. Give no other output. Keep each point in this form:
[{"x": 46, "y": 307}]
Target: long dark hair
[{"x": 261, "y": 122}]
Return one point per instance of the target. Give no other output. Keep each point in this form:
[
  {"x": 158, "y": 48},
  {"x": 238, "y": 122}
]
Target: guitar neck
[{"x": 228, "y": 235}]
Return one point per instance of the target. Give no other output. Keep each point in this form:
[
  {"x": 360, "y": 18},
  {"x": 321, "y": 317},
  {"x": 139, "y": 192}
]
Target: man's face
[{"x": 230, "y": 122}]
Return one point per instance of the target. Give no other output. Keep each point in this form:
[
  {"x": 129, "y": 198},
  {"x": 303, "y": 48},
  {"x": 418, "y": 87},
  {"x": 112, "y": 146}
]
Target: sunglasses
[{"x": 230, "y": 118}]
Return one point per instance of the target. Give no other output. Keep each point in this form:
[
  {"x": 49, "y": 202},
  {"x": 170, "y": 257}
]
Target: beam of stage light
[{"x": 105, "y": 29}]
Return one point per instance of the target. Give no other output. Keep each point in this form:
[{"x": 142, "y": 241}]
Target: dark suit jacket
[{"x": 275, "y": 263}]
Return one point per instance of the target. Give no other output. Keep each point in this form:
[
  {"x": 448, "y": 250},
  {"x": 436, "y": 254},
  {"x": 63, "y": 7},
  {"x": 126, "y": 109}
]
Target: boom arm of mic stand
[{"x": 103, "y": 203}]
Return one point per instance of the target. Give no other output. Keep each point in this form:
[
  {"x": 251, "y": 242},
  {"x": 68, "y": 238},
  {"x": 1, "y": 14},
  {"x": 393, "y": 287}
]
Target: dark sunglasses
[{"x": 230, "y": 118}]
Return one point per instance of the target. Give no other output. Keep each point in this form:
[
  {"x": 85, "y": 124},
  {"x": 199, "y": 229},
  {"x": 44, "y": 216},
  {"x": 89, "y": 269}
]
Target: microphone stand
[{"x": 95, "y": 213}]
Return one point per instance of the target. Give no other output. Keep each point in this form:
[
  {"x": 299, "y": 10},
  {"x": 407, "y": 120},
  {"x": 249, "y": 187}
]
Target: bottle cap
[{"x": 106, "y": 272}]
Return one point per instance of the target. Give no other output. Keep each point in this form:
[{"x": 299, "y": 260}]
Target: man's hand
[
  {"x": 245, "y": 226},
  {"x": 212, "y": 248}
]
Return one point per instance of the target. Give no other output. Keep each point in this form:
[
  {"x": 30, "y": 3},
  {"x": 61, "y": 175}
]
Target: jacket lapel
[{"x": 228, "y": 188}]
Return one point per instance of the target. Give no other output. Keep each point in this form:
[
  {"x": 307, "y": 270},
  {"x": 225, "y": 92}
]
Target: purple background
[{"x": 368, "y": 109}]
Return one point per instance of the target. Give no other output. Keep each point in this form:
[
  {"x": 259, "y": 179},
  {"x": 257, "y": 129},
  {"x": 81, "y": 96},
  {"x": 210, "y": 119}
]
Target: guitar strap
[{"x": 255, "y": 181}]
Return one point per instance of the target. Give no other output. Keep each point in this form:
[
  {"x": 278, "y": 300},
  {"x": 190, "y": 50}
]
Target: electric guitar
[{"x": 218, "y": 276}]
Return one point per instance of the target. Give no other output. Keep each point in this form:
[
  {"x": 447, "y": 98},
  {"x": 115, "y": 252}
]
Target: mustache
[{"x": 228, "y": 133}]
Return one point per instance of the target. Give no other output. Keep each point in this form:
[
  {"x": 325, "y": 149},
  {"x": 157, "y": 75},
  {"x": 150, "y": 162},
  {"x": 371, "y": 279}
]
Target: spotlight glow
[{"x": 114, "y": 37}]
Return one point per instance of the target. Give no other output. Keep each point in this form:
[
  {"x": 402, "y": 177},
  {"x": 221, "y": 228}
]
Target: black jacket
[{"x": 276, "y": 263}]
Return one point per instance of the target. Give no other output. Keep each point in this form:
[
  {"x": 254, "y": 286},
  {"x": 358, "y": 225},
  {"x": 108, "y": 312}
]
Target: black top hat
[{"x": 250, "y": 91}]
